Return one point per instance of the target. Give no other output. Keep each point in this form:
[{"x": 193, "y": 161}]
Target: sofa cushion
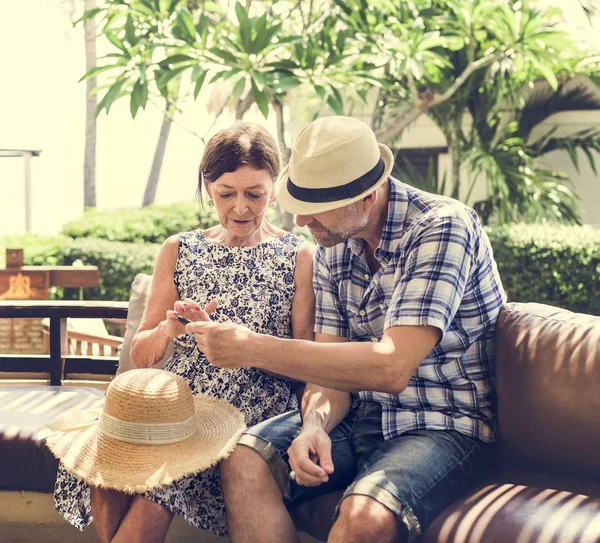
[
  {"x": 502, "y": 511},
  {"x": 25, "y": 462},
  {"x": 315, "y": 517},
  {"x": 140, "y": 289},
  {"x": 548, "y": 370}
]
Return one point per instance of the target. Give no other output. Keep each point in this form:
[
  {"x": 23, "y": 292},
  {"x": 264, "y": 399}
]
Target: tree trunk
[
  {"x": 455, "y": 169},
  {"x": 286, "y": 220},
  {"x": 89, "y": 165},
  {"x": 242, "y": 106},
  {"x": 159, "y": 155},
  {"x": 427, "y": 99}
]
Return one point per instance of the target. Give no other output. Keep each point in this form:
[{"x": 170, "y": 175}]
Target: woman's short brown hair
[{"x": 244, "y": 144}]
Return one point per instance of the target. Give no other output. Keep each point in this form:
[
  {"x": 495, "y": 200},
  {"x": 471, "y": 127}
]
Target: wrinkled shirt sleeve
[{"x": 330, "y": 316}]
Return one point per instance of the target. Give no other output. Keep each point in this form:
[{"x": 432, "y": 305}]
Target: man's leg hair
[{"x": 255, "y": 506}]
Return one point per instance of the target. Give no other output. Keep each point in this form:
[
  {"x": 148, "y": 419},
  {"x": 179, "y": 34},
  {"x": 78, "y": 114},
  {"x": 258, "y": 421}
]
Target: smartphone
[{"x": 182, "y": 320}]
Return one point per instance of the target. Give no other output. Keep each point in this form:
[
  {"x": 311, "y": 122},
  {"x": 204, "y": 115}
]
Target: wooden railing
[
  {"x": 58, "y": 363},
  {"x": 116, "y": 327}
]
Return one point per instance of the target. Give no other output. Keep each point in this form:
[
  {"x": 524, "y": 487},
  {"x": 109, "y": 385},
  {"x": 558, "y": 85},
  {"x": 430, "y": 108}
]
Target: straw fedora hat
[
  {"x": 335, "y": 161},
  {"x": 150, "y": 432}
]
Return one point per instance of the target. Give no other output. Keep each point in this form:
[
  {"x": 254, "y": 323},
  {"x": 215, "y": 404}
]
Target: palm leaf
[
  {"x": 586, "y": 140},
  {"x": 575, "y": 95},
  {"x": 518, "y": 189},
  {"x": 591, "y": 8}
]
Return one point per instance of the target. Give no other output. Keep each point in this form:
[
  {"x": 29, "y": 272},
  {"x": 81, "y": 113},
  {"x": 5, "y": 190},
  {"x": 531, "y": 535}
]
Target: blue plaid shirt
[{"x": 437, "y": 269}]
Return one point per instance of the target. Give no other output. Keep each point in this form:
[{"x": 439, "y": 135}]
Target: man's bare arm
[
  {"x": 385, "y": 366},
  {"x": 324, "y": 407}
]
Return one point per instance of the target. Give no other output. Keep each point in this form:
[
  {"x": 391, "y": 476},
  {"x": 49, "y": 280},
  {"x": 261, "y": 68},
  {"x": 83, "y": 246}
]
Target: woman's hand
[{"x": 190, "y": 310}]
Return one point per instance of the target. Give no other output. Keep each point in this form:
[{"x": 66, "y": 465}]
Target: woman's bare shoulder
[
  {"x": 274, "y": 231},
  {"x": 304, "y": 258},
  {"x": 213, "y": 232}
]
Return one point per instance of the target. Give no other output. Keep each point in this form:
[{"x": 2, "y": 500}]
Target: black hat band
[{"x": 342, "y": 192}]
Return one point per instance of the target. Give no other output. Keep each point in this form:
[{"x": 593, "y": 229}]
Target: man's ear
[{"x": 369, "y": 200}]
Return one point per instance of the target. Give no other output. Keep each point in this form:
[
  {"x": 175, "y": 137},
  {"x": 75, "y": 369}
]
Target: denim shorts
[{"x": 415, "y": 475}]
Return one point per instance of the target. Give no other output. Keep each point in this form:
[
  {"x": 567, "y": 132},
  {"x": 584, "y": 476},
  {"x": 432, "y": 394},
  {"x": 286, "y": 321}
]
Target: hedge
[
  {"x": 552, "y": 264},
  {"x": 152, "y": 224},
  {"x": 37, "y": 250},
  {"x": 118, "y": 263}
]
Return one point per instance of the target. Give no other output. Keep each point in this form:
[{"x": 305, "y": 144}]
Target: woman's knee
[
  {"x": 148, "y": 508},
  {"x": 146, "y": 521},
  {"x": 107, "y": 496},
  {"x": 108, "y": 509}
]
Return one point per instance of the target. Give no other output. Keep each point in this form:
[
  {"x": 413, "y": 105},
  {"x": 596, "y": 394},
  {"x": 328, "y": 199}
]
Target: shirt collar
[{"x": 396, "y": 215}]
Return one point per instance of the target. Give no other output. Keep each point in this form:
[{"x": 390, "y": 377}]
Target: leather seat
[
  {"x": 544, "y": 485},
  {"x": 505, "y": 512},
  {"x": 25, "y": 461}
]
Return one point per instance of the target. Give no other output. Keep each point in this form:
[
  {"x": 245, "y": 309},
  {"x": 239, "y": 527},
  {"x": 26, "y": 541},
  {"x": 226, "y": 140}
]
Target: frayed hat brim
[{"x": 131, "y": 468}]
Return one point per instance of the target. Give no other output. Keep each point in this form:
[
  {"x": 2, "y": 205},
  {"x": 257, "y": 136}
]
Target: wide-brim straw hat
[
  {"x": 335, "y": 162},
  {"x": 150, "y": 432}
]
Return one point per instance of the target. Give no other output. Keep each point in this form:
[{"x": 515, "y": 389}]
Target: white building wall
[{"x": 585, "y": 182}]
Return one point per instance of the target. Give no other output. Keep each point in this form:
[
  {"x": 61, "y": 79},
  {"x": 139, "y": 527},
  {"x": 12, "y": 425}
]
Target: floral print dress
[{"x": 254, "y": 287}]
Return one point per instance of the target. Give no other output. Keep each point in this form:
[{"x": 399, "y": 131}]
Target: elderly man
[{"x": 398, "y": 409}]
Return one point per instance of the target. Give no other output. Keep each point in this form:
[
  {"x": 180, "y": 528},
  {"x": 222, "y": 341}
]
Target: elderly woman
[{"x": 245, "y": 270}]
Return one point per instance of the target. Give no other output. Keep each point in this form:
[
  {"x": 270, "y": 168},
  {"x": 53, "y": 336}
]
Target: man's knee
[
  {"x": 362, "y": 518},
  {"x": 243, "y": 470}
]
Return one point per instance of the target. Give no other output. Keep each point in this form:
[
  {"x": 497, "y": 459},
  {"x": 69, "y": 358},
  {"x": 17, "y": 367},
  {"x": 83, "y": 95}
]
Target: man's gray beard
[
  {"x": 330, "y": 239},
  {"x": 333, "y": 238}
]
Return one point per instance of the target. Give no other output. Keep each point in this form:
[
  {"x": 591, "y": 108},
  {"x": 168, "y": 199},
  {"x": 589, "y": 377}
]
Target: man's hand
[
  {"x": 310, "y": 457},
  {"x": 226, "y": 345}
]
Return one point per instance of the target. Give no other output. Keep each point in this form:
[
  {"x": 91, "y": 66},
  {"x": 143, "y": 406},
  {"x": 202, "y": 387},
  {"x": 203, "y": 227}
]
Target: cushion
[
  {"x": 25, "y": 462},
  {"x": 140, "y": 289},
  {"x": 514, "y": 511},
  {"x": 548, "y": 370}
]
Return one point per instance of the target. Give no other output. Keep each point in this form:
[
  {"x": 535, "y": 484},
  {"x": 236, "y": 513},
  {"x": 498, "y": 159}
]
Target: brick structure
[
  {"x": 21, "y": 336},
  {"x": 18, "y": 282}
]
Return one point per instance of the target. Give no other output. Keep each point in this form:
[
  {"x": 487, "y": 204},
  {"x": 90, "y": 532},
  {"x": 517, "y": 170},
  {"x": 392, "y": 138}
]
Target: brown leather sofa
[{"x": 542, "y": 486}]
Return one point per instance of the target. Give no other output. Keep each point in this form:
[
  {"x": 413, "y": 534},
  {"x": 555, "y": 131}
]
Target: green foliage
[
  {"x": 118, "y": 264},
  {"x": 267, "y": 50},
  {"x": 552, "y": 264},
  {"x": 591, "y": 8},
  {"x": 151, "y": 224},
  {"x": 498, "y": 148},
  {"x": 518, "y": 188},
  {"x": 429, "y": 182},
  {"x": 37, "y": 250},
  {"x": 449, "y": 58}
]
